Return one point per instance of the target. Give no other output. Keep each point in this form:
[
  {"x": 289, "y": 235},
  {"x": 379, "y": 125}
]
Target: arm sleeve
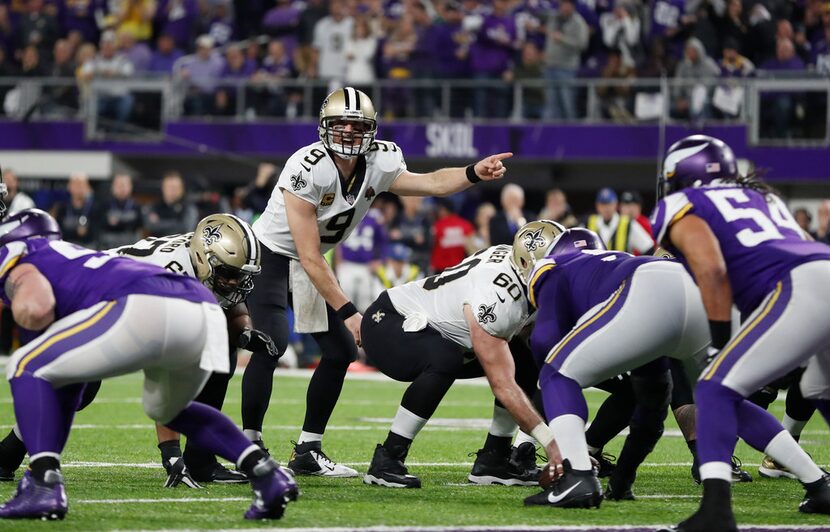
[{"x": 668, "y": 211}]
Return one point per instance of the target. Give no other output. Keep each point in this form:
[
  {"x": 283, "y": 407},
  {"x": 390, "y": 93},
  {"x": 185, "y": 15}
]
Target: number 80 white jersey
[
  {"x": 311, "y": 175},
  {"x": 486, "y": 281}
]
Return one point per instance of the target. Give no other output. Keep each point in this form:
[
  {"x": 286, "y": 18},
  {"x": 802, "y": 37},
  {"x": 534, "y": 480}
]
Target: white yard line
[
  {"x": 156, "y": 501},
  {"x": 506, "y": 528}
]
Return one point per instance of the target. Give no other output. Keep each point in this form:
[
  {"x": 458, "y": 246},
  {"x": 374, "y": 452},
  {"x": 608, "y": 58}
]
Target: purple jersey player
[
  {"x": 737, "y": 239},
  {"x": 602, "y": 313},
  {"x": 103, "y": 316},
  {"x": 359, "y": 256}
]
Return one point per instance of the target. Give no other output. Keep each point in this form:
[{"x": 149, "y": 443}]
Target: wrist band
[
  {"x": 721, "y": 332},
  {"x": 543, "y": 434},
  {"x": 471, "y": 174},
  {"x": 347, "y": 311}
]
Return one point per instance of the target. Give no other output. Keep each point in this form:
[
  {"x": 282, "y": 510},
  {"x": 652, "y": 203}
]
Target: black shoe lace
[{"x": 736, "y": 462}]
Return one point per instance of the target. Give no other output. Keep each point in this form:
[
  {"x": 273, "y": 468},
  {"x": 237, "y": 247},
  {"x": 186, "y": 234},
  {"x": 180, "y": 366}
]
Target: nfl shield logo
[{"x": 350, "y": 199}]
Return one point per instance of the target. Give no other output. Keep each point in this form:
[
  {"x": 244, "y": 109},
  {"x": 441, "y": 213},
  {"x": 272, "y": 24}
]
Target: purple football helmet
[
  {"x": 694, "y": 161},
  {"x": 29, "y": 223},
  {"x": 4, "y": 191},
  {"x": 574, "y": 240}
]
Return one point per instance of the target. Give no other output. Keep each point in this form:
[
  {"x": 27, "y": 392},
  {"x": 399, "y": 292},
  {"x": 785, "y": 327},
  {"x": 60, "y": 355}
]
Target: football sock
[
  {"x": 396, "y": 441},
  {"x": 12, "y": 451},
  {"x": 213, "y": 394},
  {"x": 798, "y": 411},
  {"x": 323, "y": 392},
  {"x": 308, "y": 437},
  {"x": 211, "y": 430},
  {"x": 523, "y": 437},
  {"x": 756, "y": 426},
  {"x": 42, "y": 463},
  {"x": 44, "y": 414},
  {"x": 502, "y": 424},
  {"x": 786, "y": 451},
  {"x": 257, "y": 383},
  {"x": 253, "y": 435},
  {"x": 793, "y": 426},
  {"x": 717, "y": 416},
  {"x": 562, "y": 395},
  {"x": 569, "y": 431},
  {"x": 407, "y": 424},
  {"x": 717, "y": 496},
  {"x": 249, "y": 459}
]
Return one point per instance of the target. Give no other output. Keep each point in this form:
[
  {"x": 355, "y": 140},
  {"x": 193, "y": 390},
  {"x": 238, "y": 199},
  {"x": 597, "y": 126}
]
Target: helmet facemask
[
  {"x": 230, "y": 285},
  {"x": 348, "y": 137}
]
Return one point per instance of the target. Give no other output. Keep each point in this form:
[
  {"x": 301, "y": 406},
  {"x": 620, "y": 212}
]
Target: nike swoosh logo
[
  {"x": 500, "y": 298},
  {"x": 330, "y": 468},
  {"x": 554, "y": 499}
]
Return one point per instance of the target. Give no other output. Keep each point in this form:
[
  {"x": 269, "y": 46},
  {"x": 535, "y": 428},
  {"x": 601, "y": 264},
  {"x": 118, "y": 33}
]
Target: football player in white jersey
[
  {"x": 459, "y": 324},
  {"x": 223, "y": 253},
  {"x": 323, "y": 192}
]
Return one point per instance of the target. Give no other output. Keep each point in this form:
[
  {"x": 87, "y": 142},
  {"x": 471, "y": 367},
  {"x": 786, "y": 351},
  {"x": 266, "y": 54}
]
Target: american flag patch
[{"x": 712, "y": 168}]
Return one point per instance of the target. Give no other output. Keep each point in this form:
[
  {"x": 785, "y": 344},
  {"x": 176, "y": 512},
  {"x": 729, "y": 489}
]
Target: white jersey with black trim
[
  {"x": 169, "y": 252},
  {"x": 486, "y": 281},
  {"x": 311, "y": 175}
]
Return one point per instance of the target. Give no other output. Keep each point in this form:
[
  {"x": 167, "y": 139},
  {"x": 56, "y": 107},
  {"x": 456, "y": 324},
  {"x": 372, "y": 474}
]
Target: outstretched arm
[
  {"x": 33, "y": 301},
  {"x": 494, "y": 355},
  {"x": 448, "y": 181}
]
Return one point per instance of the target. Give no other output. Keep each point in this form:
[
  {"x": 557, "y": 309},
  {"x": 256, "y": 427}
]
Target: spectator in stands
[
  {"x": 114, "y": 101},
  {"x": 691, "y": 95},
  {"x": 397, "y": 50},
  {"x": 820, "y": 52},
  {"x": 360, "y": 51},
  {"x": 272, "y": 99},
  {"x": 201, "y": 71},
  {"x": 557, "y": 209},
  {"x": 396, "y": 270},
  {"x": 359, "y": 256},
  {"x": 412, "y": 228},
  {"x": 733, "y": 27},
  {"x": 784, "y": 31},
  {"x": 314, "y": 12},
  {"x": 63, "y": 66},
  {"x": 425, "y": 98},
  {"x": 121, "y": 215},
  {"x": 491, "y": 57},
  {"x": 165, "y": 55},
  {"x": 238, "y": 69},
  {"x": 177, "y": 19},
  {"x": 137, "y": 53},
  {"x": 761, "y": 38},
  {"x": 733, "y": 64},
  {"x": 805, "y": 221},
  {"x": 631, "y": 205},
  {"x": 16, "y": 200},
  {"x": 450, "y": 52},
  {"x": 79, "y": 217},
  {"x": 567, "y": 37},
  {"x": 619, "y": 232},
  {"x": 450, "y": 233},
  {"x": 621, "y": 31},
  {"x": 530, "y": 69},
  {"x": 616, "y": 100},
  {"x": 174, "y": 213},
  {"x": 217, "y": 21},
  {"x": 668, "y": 24},
  {"x": 505, "y": 223},
  {"x": 81, "y": 17},
  {"x": 257, "y": 193},
  {"x": 37, "y": 27},
  {"x": 330, "y": 34},
  {"x": 779, "y": 106},
  {"x": 823, "y": 229},
  {"x": 136, "y": 16},
  {"x": 282, "y": 22},
  {"x": 481, "y": 238},
  {"x": 729, "y": 96},
  {"x": 30, "y": 64}
]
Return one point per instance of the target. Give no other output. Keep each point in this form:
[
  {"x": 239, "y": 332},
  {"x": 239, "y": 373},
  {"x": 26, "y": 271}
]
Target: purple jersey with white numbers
[
  {"x": 81, "y": 278},
  {"x": 759, "y": 239},
  {"x": 565, "y": 288},
  {"x": 367, "y": 241}
]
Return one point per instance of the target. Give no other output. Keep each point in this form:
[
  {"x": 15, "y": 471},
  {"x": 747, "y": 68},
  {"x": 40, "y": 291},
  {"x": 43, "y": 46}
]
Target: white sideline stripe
[
  {"x": 164, "y": 500},
  {"x": 549, "y": 528}
]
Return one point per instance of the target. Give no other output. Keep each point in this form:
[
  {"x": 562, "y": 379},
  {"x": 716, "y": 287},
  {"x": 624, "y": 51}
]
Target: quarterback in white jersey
[
  {"x": 323, "y": 192},
  {"x": 459, "y": 324}
]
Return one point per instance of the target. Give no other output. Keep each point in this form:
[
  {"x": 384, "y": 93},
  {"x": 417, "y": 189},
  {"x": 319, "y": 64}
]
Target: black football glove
[{"x": 254, "y": 340}]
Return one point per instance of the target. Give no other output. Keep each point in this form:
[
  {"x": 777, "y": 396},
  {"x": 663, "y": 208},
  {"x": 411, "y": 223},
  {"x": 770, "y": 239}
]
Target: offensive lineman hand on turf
[
  {"x": 491, "y": 167},
  {"x": 254, "y": 340},
  {"x": 554, "y": 460},
  {"x": 353, "y": 324}
]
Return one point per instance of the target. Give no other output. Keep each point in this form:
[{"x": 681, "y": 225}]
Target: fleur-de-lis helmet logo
[
  {"x": 211, "y": 234},
  {"x": 534, "y": 240}
]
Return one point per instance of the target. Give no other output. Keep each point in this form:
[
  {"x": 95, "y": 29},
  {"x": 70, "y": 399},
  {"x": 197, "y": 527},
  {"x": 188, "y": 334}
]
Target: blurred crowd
[{"x": 210, "y": 45}]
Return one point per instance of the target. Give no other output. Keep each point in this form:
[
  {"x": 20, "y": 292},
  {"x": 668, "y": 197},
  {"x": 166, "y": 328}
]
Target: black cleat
[
  {"x": 622, "y": 493},
  {"x": 574, "y": 489},
  {"x": 738, "y": 473},
  {"x": 178, "y": 474},
  {"x": 309, "y": 459},
  {"x": 218, "y": 473},
  {"x": 705, "y": 522},
  {"x": 817, "y": 498},
  {"x": 6, "y": 474},
  {"x": 715, "y": 512},
  {"x": 516, "y": 469},
  {"x": 387, "y": 469},
  {"x": 606, "y": 463}
]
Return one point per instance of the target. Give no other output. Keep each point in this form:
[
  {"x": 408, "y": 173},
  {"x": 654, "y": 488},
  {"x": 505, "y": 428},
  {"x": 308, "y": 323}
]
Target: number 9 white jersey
[
  {"x": 486, "y": 281},
  {"x": 311, "y": 175}
]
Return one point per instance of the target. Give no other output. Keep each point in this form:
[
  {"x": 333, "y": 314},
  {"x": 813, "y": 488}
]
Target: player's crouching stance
[
  {"x": 742, "y": 246},
  {"x": 602, "y": 313},
  {"x": 105, "y": 316}
]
